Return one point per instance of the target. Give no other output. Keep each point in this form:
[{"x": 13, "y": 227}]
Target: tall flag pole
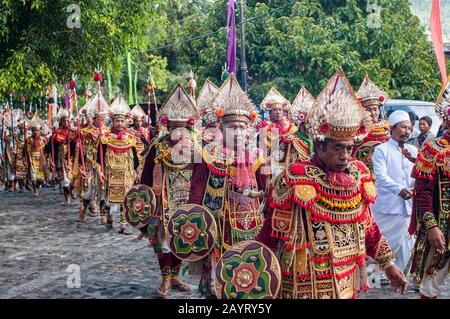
[
  {"x": 108, "y": 76},
  {"x": 11, "y": 92},
  {"x": 130, "y": 80},
  {"x": 231, "y": 36},
  {"x": 149, "y": 91},
  {"x": 73, "y": 87},
  {"x": 243, "y": 56},
  {"x": 153, "y": 88},
  {"x": 98, "y": 79},
  {"x": 438, "y": 42},
  {"x": 67, "y": 100},
  {"x": 49, "y": 106}
]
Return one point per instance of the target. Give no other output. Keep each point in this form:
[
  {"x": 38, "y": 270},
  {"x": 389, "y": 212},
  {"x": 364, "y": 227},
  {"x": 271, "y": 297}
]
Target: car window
[{"x": 419, "y": 110}]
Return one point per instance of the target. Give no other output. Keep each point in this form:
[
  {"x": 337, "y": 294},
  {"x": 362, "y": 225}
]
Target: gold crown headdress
[
  {"x": 178, "y": 108},
  {"x": 204, "y": 99},
  {"x": 231, "y": 103},
  {"x": 442, "y": 106},
  {"x": 137, "y": 112},
  {"x": 302, "y": 105},
  {"x": 369, "y": 94},
  {"x": 119, "y": 107},
  {"x": 274, "y": 99},
  {"x": 36, "y": 121},
  {"x": 337, "y": 114},
  {"x": 92, "y": 106}
]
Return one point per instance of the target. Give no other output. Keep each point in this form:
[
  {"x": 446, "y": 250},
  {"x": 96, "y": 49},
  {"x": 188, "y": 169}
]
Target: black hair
[
  {"x": 427, "y": 119},
  {"x": 323, "y": 143}
]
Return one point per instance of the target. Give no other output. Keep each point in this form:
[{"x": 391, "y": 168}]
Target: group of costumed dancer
[{"x": 278, "y": 208}]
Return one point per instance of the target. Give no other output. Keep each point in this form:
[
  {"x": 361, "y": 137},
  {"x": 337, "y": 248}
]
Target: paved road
[{"x": 40, "y": 238}]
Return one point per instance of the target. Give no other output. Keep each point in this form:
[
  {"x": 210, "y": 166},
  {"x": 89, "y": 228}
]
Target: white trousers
[{"x": 431, "y": 286}]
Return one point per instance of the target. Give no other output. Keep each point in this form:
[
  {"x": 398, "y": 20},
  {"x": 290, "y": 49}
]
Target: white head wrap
[{"x": 397, "y": 117}]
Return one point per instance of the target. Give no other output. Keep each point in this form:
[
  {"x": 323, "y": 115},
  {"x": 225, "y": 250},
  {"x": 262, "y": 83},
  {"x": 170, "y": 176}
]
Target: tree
[
  {"x": 39, "y": 46},
  {"x": 294, "y": 43}
]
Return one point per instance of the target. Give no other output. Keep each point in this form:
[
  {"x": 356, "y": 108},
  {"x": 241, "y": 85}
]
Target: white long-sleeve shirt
[{"x": 393, "y": 174}]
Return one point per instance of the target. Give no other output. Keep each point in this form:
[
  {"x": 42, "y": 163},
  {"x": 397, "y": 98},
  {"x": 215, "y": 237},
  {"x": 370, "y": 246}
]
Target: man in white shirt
[{"x": 392, "y": 168}]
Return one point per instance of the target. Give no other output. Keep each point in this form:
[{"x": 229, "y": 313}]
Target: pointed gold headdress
[
  {"x": 302, "y": 105},
  {"x": 205, "y": 97},
  {"x": 178, "y": 109},
  {"x": 337, "y": 114},
  {"x": 232, "y": 103},
  {"x": 370, "y": 94},
  {"x": 274, "y": 99},
  {"x": 442, "y": 106}
]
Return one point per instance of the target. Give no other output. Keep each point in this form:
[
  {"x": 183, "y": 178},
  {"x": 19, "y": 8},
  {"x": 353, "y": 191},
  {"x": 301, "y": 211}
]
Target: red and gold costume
[
  {"x": 223, "y": 181},
  {"x": 89, "y": 186},
  {"x": 282, "y": 143},
  {"x": 120, "y": 164},
  {"x": 141, "y": 136},
  {"x": 35, "y": 151},
  {"x": 431, "y": 204},
  {"x": 319, "y": 222},
  {"x": 63, "y": 151},
  {"x": 170, "y": 177},
  {"x": 21, "y": 162},
  {"x": 370, "y": 95},
  {"x": 431, "y": 207}
]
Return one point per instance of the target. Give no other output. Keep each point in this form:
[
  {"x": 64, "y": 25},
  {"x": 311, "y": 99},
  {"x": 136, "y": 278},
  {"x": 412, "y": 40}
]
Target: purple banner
[{"x": 231, "y": 36}]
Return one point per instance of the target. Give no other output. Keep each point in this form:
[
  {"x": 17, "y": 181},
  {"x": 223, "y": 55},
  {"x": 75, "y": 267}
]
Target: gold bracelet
[
  {"x": 429, "y": 220},
  {"x": 388, "y": 265}
]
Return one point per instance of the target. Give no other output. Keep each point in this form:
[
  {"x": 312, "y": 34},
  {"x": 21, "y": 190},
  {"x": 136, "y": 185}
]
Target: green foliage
[
  {"x": 38, "y": 46},
  {"x": 305, "y": 42},
  {"x": 288, "y": 43}
]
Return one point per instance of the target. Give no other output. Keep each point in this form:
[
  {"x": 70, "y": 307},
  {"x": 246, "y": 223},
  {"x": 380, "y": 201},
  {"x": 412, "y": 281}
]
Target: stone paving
[{"x": 40, "y": 239}]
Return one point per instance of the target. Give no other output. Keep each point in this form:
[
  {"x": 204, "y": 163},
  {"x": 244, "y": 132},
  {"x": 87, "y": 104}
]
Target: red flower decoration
[
  {"x": 220, "y": 112},
  {"x": 164, "y": 119},
  {"x": 324, "y": 128},
  {"x": 360, "y": 100},
  {"x": 97, "y": 76},
  {"x": 382, "y": 98},
  {"x": 253, "y": 116},
  {"x": 301, "y": 116},
  {"x": 298, "y": 169},
  {"x": 362, "y": 129},
  {"x": 191, "y": 120},
  {"x": 30, "y": 113},
  {"x": 72, "y": 84}
]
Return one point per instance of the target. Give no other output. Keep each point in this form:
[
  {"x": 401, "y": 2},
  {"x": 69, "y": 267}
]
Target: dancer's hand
[
  {"x": 398, "y": 280},
  {"x": 436, "y": 238},
  {"x": 101, "y": 178}
]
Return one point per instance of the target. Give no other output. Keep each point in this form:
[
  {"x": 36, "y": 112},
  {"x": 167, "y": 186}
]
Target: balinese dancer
[
  {"x": 168, "y": 171},
  {"x": 320, "y": 222},
  {"x": 372, "y": 99},
  {"x": 431, "y": 208},
  {"x": 228, "y": 182}
]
